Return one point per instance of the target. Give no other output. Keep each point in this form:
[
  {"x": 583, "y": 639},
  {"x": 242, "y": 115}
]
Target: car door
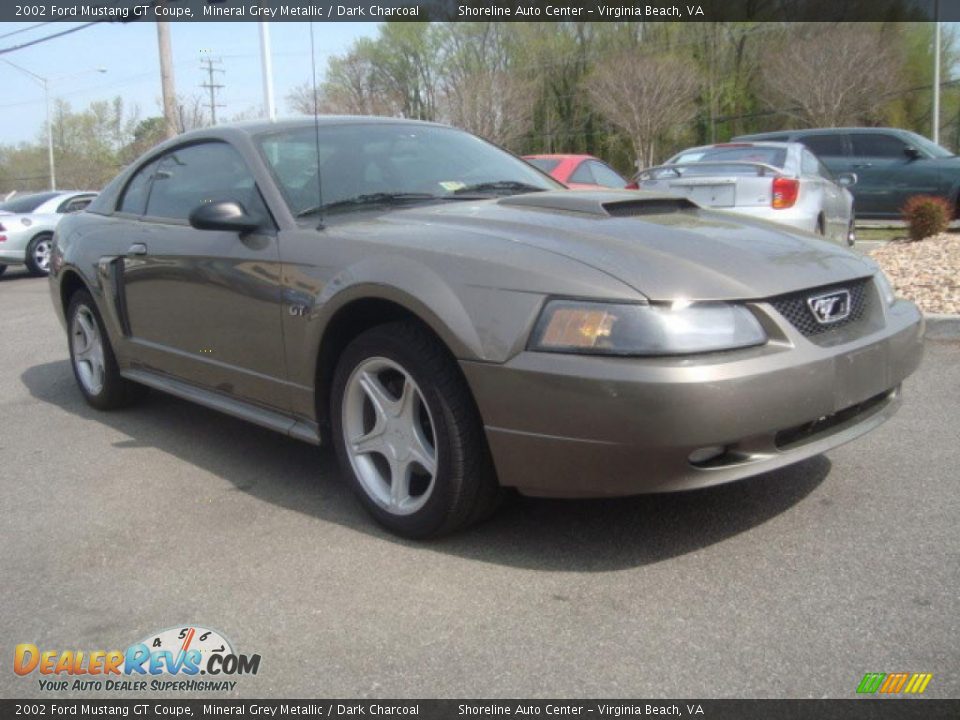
[
  {"x": 832, "y": 149},
  {"x": 887, "y": 175},
  {"x": 204, "y": 306}
]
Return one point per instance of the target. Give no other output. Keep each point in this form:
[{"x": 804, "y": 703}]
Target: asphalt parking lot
[{"x": 793, "y": 584}]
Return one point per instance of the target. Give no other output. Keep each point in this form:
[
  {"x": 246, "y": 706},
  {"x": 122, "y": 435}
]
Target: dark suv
[{"x": 890, "y": 164}]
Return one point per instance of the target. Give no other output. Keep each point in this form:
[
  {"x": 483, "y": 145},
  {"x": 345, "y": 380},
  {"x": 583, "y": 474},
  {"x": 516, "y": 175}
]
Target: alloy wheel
[
  {"x": 87, "y": 350},
  {"x": 389, "y": 436},
  {"x": 41, "y": 254}
]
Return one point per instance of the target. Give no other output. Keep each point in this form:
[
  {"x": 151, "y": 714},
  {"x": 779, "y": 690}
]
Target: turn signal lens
[
  {"x": 577, "y": 328},
  {"x": 785, "y": 191}
]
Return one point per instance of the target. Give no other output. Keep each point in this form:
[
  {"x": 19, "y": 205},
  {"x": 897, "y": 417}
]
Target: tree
[
  {"x": 646, "y": 96},
  {"x": 833, "y": 75},
  {"x": 482, "y": 91}
]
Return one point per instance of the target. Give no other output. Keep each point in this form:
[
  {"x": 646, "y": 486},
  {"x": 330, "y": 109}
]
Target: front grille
[{"x": 795, "y": 309}]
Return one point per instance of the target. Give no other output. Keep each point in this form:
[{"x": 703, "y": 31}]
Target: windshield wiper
[
  {"x": 379, "y": 198},
  {"x": 498, "y": 185}
]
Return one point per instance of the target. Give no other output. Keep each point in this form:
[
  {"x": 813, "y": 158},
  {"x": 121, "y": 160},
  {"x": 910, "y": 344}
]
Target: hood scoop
[{"x": 612, "y": 203}]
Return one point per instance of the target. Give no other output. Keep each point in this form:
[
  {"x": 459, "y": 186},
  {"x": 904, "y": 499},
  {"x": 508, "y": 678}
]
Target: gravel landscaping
[{"x": 927, "y": 272}]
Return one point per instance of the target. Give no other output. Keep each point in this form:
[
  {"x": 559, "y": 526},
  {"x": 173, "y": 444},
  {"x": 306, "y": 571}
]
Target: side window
[
  {"x": 195, "y": 174},
  {"x": 76, "y": 204},
  {"x": 583, "y": 175},
  {"x": 808, "y": 163},
  {"x": 824, "y": 172},
  {"x": 877, "y": 145},
  {"x": 825, "y": 145},
  {"x": 134, "y": 199},
  {"x": 605, "y": 176}
]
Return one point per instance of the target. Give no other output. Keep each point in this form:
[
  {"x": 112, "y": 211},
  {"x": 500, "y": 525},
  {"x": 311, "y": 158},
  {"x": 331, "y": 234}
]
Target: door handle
[
  {"x": 863, "y": 165},
  {"x": 137, "y": 249}
]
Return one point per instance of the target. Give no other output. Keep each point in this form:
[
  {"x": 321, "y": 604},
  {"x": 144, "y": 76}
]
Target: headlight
[
  {"x": 885, "y": 288},
  {"x": 619, "y": 329}
]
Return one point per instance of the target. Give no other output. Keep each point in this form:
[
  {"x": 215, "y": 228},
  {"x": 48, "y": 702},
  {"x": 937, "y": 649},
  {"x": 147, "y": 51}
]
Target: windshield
[
  {"x": 373, "y": 162},
  {"x": 928, "y": 146},
  {"x": 546, "y": 164},
  {"x": 750, "y": 154},
  {"x": 26, "y": 203}
]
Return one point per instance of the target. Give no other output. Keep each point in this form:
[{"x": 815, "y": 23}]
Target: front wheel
[
  {"x": 3, "y": 269},
  {"x": 851, "y": 234},
  {"x": 94, "y": 364},
  {"x": 38, "y": 254},
  {"x": 408, "y": 434}
]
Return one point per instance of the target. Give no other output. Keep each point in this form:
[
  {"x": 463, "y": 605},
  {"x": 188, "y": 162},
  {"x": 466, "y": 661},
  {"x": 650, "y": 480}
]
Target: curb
[{"x": 942, "y": 326}]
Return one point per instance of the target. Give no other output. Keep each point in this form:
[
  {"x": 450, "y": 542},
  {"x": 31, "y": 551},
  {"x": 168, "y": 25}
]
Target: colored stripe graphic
[{"x": 894, "y": 683}]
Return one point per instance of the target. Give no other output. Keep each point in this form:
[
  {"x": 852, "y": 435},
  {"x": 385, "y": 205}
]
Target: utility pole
[
  {"x": 166, "y": 79},
  {"x": 212, "y": 87}
]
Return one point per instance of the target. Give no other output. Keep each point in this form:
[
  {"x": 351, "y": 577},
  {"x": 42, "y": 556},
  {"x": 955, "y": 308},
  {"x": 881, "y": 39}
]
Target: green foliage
[
  {"x": 89, "y": 147},
  {"x": 926, "y": 216}
]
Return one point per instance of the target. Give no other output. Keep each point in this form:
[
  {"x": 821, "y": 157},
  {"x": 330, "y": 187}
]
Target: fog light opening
[{"x": 703, "y": 456}]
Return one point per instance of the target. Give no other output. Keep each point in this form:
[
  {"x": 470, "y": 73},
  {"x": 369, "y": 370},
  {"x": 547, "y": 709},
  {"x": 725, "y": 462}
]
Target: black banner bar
[
  {"x": 480, "y": 10},
  {"x": 854, "y": 709}
]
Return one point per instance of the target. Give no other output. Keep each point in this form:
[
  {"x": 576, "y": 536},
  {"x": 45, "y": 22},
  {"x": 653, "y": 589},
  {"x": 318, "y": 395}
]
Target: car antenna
[{"x": 316, "y": 128}]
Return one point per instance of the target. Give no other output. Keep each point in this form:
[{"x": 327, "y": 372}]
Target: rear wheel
[
  {"x": 821, "y": 226},
  {"x": 38, "y": 254},
  {"x": 3, "y": 269},
  {"x": 94, "y": 364},
  {"x": 408, "y": 435}
]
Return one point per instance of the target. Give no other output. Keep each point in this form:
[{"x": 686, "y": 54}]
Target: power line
[
  {"x": 26, "y": 29},
  {"x": 4, "y": 51}
]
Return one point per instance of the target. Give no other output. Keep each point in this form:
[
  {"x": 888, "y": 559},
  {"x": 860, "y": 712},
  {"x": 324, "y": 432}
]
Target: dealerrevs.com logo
[{"x": 170, "y": 660}]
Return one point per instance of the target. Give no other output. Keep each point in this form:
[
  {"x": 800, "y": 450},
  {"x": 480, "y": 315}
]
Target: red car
[{"x": 579, "y": 172}]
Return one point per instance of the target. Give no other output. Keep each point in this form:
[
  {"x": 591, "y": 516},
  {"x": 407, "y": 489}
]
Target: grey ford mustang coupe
[{"x": 454, "y": 322}]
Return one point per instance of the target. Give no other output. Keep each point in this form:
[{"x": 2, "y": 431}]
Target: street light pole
[
  {"x": 45, "y": 84},
  {"x": 266, "y": 68},
  {"x": 46, "y": 100},
  {"x": 936, "y": 72}
]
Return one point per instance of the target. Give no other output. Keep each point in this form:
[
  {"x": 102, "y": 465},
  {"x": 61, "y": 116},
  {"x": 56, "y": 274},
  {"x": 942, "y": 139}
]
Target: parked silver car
[
  {"x": 781, "y": 182},
  {"x": 27, "y": 223}
]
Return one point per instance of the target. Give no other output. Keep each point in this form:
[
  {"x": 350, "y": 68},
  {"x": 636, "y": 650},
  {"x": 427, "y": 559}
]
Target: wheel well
[
  {"x": 69, "y": 284},
  {"x": 347, "y": 323}
]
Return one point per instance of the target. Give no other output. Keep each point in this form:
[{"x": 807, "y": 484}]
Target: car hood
[{"x": 661, "y": 245}]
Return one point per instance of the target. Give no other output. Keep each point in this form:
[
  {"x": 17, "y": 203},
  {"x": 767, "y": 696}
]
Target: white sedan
[
  {"x": 778, "y": 181},
  {"x": 27, "y": 223}
]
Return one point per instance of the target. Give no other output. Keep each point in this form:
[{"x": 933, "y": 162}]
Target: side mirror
[
  {"x": 226, "y": 215},
  {"x": 912, "y": 153},
  {"x": 847, "y": 179}
]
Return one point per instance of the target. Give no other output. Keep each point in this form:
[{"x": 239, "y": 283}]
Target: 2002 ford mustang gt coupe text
[{"x": 454, "y": 322}]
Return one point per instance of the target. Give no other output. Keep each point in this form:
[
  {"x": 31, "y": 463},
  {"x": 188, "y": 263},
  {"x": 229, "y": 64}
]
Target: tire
[
  {"x": 423, "y": 468},
  {"x": 38, "y": 254},
  {"x": 852, "y": 233},
  {"x": 92, "y": 359},
  {"x": 3, "y": 269},
  {"x": 821, "y": 227}
]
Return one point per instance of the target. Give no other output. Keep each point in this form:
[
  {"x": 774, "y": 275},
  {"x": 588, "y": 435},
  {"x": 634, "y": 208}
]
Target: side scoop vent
[{"x": 613, "y": 203}]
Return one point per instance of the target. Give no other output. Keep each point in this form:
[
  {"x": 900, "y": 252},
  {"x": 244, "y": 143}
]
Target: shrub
[{"x": 926, "y": 215}]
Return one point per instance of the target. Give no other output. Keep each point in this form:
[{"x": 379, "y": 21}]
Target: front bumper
[{"x": 592, "y": 426}]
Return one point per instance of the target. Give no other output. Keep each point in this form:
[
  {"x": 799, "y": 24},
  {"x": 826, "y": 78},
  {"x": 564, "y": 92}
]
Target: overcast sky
[{"x": 129, "y": 54}]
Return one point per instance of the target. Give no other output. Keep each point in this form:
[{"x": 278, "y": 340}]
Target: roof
[
  {"x": 559, "y": 156},
  {"x": 819, "y": 131},
  {"x": 253, "y": 127}
]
